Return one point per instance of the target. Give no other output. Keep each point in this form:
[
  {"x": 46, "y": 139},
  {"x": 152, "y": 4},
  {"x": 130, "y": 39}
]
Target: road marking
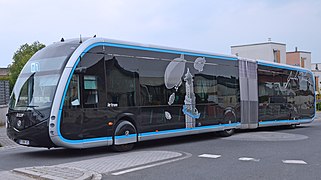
[
  {"x": 248, "y": 159},
  {"x": 187, "y": 155},
  {"x": 213, "y": 156},
  {"x": 266, "y": 136},
  {"x": 294, "y": 162}
]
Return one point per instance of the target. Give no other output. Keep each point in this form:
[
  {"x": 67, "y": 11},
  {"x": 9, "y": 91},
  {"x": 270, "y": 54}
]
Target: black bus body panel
[
  {"x": 37, "y": 135},
  {"x": 31, "y": 100},
  {"x": 124, "y": 81},
  {"x": 285, "y": 94},
  {"x": 158, "y": 91}
]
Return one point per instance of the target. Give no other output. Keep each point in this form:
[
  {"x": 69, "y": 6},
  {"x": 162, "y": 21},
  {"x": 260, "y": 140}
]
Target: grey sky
[{"x": 207, "y": 25}]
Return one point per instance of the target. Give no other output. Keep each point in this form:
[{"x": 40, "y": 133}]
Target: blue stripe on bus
[
  {"x": 284, "y": 121},
  {"x": 122, "y": 46},
  {"x": 188, "y": 129},
  {"x": 160, "y": 132},
  {"x": 280, "y": 66},
  {"x": 61, "y": 106},
  {"x": 86, "y": 140},
  {"x": 157, "y": 50},
  {"x": 126, "y": 136}
]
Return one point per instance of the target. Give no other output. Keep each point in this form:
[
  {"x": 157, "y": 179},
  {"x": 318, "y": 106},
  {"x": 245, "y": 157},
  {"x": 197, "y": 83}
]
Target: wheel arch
[
  {"x": 130, "y": 117},
  {"x": 125, "y": 130}
]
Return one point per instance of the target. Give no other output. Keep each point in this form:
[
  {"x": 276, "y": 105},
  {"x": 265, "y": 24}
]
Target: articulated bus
[{"x": 102, "y": 92}]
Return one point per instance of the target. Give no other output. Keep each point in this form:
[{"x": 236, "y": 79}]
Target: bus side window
[
  {"x": 90, "y": 90},
  {"x": 73, "y": 93}
]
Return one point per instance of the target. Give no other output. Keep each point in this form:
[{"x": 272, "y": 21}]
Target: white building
[
  {"x": 316, "y": 69},
  {"x": 276, "y": 52},
  {"x": 269, "y": 51},
  {"x": 299, "y": 58}
]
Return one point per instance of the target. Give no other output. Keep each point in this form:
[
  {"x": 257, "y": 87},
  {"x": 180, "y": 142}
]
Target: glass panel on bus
[
  {"x": 90, "y": 89},
  {"x": 73, "y": 93}
]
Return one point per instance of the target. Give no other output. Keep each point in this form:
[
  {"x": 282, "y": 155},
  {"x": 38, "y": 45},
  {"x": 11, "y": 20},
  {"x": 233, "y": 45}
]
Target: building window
[
  {"x": 303, "y": 62},
  {"x": 316, "y": 80},
  {"x": 276, "y": 55}
]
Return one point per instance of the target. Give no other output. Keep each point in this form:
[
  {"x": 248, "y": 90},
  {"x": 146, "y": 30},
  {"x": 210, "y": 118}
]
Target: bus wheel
[
  {"x": 229, "y": 117},
  {"x": 123, "y": 147},
  {"x": 292, "y": 126},
  {"x": 124, "y": 128},
  {"x": 226, "y": 132}
]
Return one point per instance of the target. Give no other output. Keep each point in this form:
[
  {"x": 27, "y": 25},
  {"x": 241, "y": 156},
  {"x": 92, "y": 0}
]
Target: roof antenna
[
  {"x": 94, "y": 35},
  {"x": 62, "y": 40},
  {"x": 80, "y": 40}
]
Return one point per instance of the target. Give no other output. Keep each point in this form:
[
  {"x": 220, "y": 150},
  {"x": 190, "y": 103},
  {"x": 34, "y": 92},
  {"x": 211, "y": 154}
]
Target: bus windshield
[
  {"x": 37, "y": 82},
  {"x": 36, "y": 87}
]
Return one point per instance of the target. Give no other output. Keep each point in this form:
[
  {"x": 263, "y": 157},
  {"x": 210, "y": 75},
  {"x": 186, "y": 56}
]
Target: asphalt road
[{"x": 267, "y": 153}]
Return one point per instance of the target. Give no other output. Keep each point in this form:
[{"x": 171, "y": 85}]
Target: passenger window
[
  {"x": 73, "y": 94},
  {"x": 90, "y": 90}
]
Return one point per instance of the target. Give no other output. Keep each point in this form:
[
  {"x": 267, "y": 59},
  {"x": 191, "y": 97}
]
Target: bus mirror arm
[{"x": 80, "y": 70}]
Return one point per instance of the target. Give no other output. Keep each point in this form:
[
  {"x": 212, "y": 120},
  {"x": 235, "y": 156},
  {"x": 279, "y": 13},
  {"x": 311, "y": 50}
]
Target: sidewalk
[
  {"x": 42, "y": 172},
  {"x": 91, "y": 169},
  {"x": 49, "y": 173}
]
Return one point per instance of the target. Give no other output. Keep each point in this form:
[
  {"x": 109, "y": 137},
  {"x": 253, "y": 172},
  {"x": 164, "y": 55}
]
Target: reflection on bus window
[
  {"x": 91, "y": 93},
  {"x": 73, "y": 98}
]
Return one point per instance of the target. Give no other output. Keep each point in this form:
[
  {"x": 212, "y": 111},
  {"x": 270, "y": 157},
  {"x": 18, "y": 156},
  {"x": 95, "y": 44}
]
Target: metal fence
[{"x": 4, "y": 92}]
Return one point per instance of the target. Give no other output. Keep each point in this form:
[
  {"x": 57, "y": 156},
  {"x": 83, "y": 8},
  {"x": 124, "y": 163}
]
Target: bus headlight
[{"x": 19, "y": 123}]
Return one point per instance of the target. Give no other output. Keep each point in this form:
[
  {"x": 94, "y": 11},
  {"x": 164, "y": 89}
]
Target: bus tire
[
  {"x": 122, "y": 128},
  {"x": 122, "y": 147},
  {"x": 226, "y": 132},
  {"x": 229, "y": 117},
  {"x": 291, "y": 126}
]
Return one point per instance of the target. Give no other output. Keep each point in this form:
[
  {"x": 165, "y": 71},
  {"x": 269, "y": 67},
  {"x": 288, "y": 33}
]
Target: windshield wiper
[
  {"x": 33, "y": 108},
  {"x": 37, "y": 111}
]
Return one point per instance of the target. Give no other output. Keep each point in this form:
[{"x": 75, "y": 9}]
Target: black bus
[{"x": 103, "y": 92}]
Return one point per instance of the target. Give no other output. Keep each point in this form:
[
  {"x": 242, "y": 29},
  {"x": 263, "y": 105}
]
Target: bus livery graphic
[{"x": 175, "y": 71}]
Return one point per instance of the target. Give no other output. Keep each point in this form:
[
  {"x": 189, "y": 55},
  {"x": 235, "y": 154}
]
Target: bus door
[
  {"x": 93, "y": 90},
  {"x": 72, "y": 113},
  {"x": 248, "y": 93}
]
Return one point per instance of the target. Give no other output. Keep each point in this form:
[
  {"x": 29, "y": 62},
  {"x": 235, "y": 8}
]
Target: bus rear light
[{"x": 110, "y": 123}]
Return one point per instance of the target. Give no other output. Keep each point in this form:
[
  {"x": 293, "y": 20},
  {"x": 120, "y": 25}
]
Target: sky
[{"x": 204, "y": 25}]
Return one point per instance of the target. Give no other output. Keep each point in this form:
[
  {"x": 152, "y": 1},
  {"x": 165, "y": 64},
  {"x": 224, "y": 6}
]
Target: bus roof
[
  {"x": 150, "y": 46},
  {"x": 87, "y": 42}
]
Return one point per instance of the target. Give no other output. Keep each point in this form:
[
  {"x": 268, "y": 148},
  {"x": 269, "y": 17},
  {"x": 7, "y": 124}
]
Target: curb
[{"x": 57, "y": 173}]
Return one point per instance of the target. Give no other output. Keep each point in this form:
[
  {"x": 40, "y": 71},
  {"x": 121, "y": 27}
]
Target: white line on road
[
  {"x": 187, "y": 155},
  {"x": 213, "y": 156},
  {"x": 248, "y": 159},
  {"x": 294, "y": 162}
]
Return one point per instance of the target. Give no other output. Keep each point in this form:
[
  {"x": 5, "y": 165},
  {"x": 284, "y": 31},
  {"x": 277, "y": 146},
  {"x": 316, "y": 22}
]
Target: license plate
[{"x": 24, "y": 142}]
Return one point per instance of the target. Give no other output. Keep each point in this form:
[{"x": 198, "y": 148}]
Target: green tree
[{"x": 20, "y": 58}]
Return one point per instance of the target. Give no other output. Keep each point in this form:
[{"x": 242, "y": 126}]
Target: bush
[{"x": 319, "y": 106}]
